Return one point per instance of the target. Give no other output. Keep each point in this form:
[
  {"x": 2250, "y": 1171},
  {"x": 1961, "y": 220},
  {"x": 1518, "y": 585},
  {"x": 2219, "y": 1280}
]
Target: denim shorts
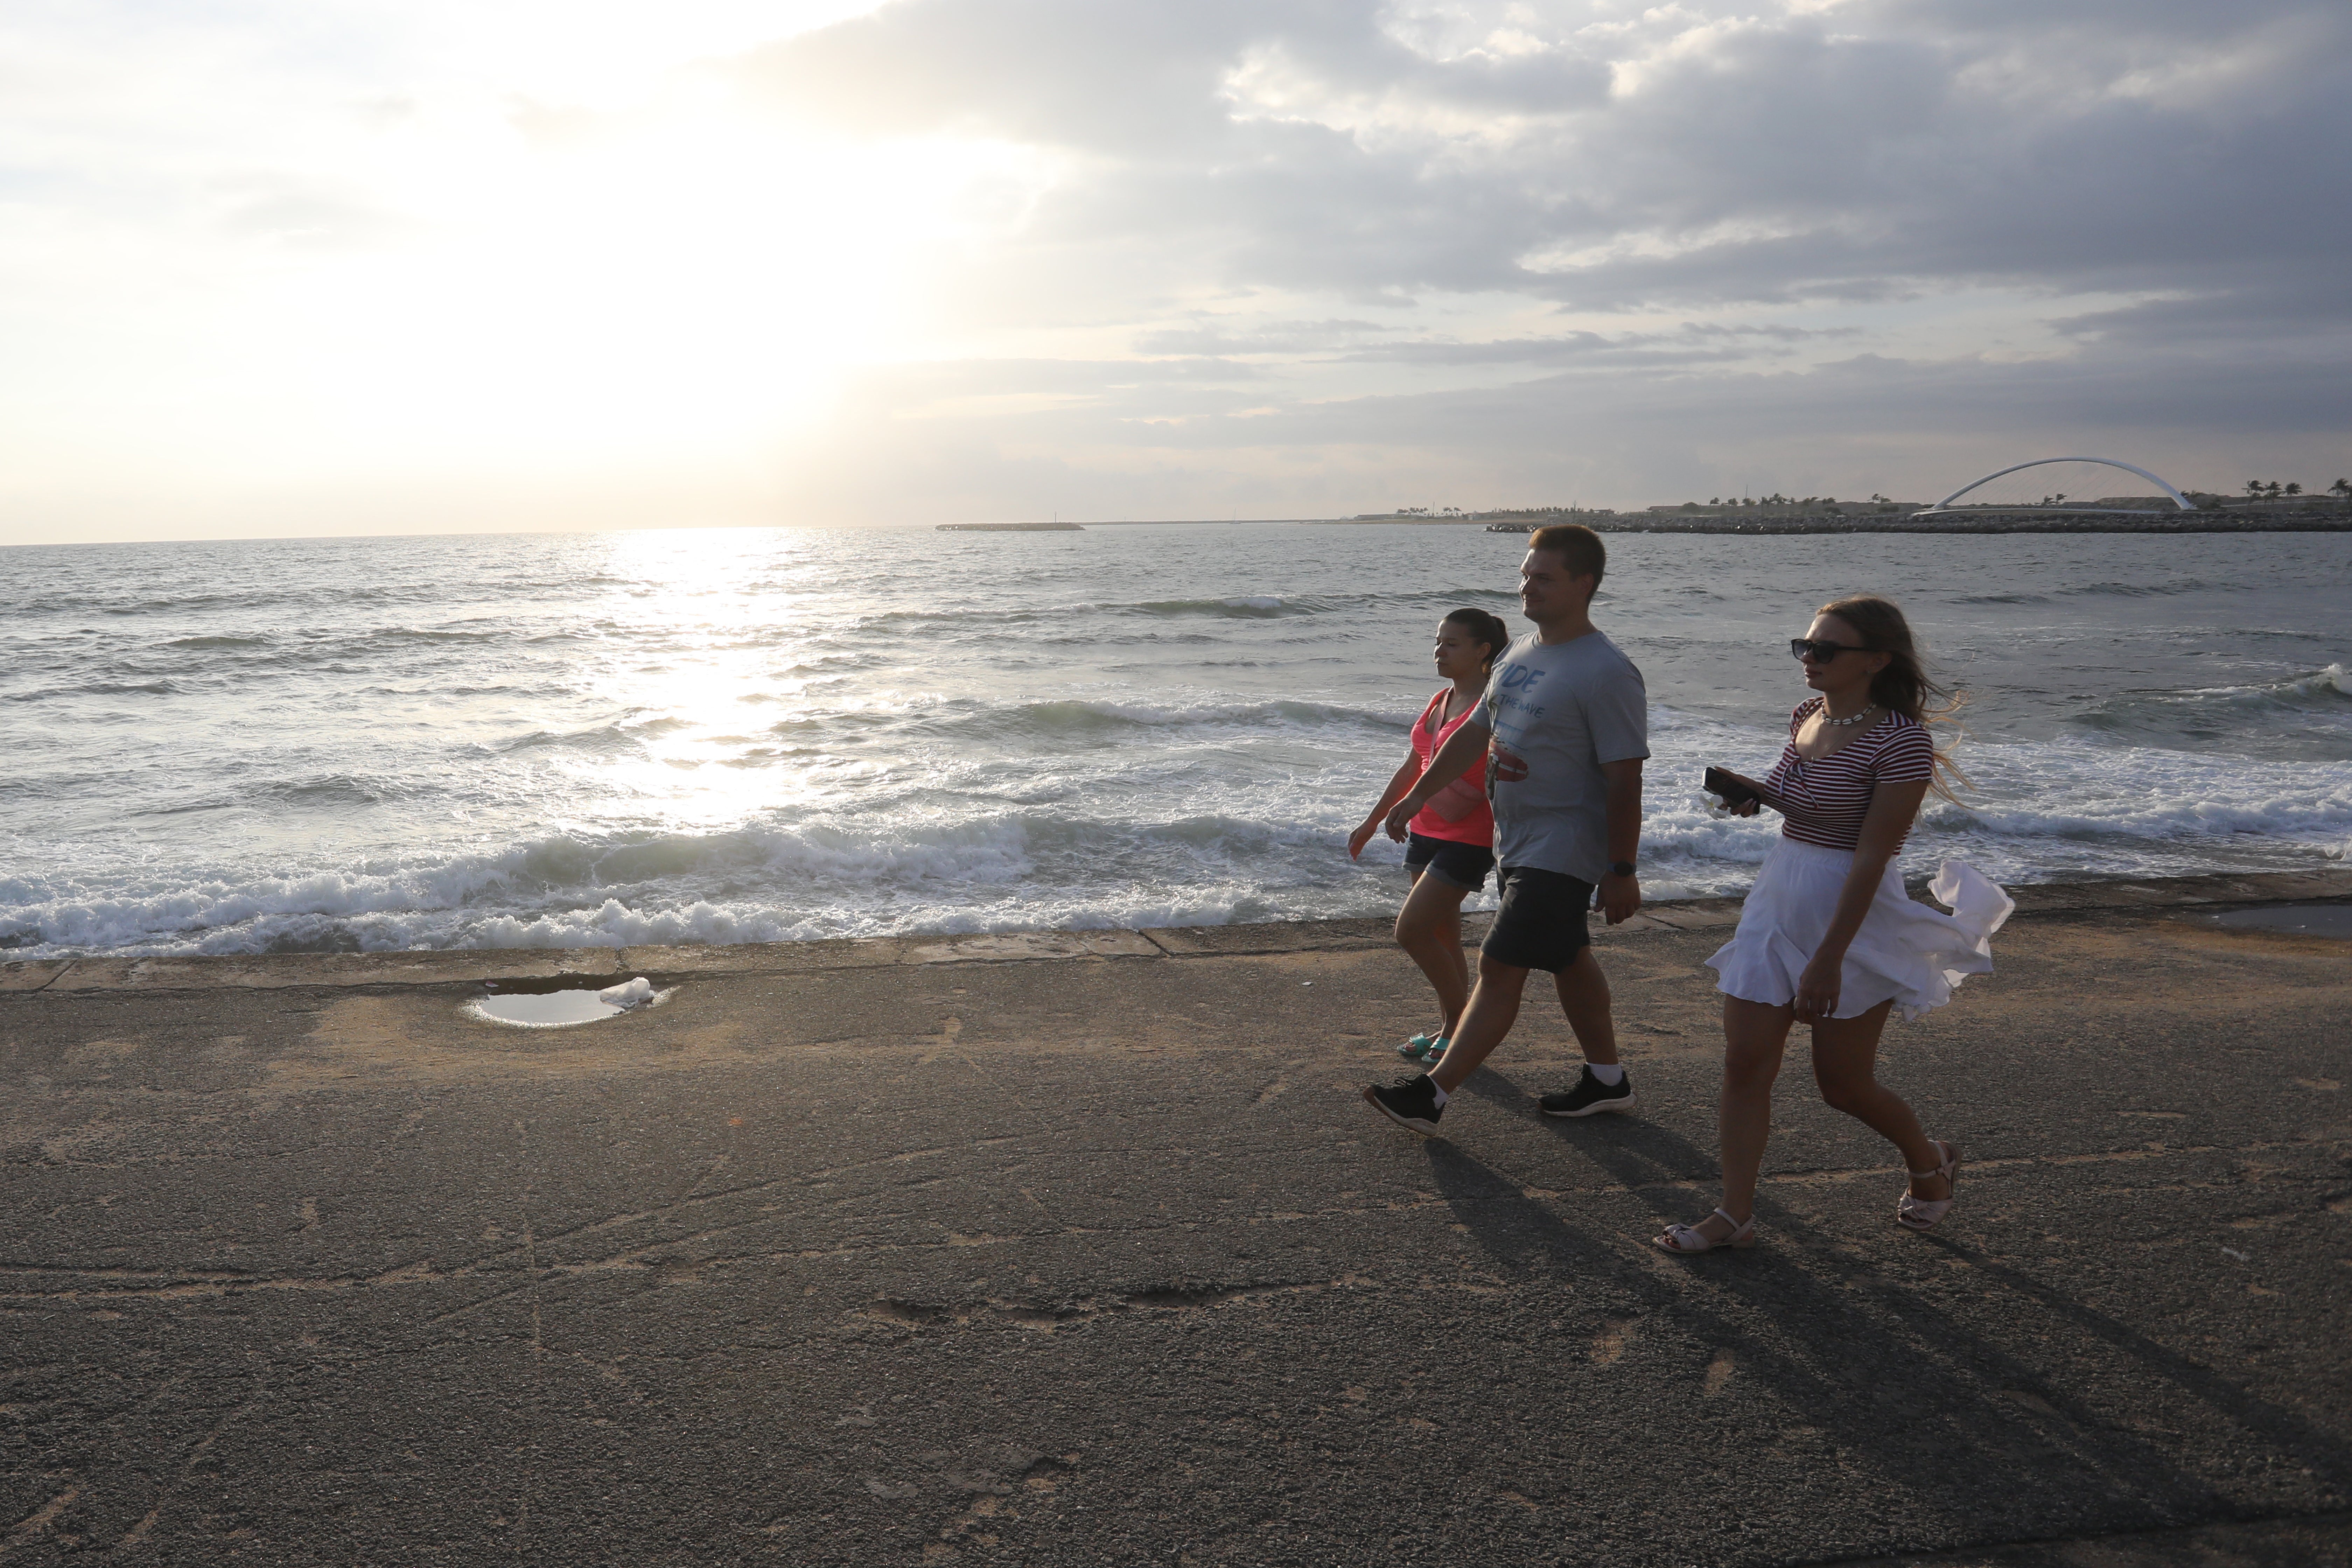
[
  {"x": 1541, "y": 923},
  {"x": 1462, "y": 865}
]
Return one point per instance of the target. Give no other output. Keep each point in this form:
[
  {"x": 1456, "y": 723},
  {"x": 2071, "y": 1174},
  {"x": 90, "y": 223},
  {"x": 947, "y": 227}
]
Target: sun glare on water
[{"x": 700, "y": 707}]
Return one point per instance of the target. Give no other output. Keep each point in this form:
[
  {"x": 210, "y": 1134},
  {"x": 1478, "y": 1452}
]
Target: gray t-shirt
[{"x": 1558, "y": 712}]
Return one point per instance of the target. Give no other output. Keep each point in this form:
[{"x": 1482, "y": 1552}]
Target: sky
[{"x": 357, "y": 266}]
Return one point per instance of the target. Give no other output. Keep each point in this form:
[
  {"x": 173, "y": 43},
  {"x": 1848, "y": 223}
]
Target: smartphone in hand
[{"x": 1729, "y": 790}]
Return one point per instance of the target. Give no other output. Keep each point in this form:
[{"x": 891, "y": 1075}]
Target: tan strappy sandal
[
  {"x": 1684, "y": 1240},
  {"x": 1921, "y": 1213}
]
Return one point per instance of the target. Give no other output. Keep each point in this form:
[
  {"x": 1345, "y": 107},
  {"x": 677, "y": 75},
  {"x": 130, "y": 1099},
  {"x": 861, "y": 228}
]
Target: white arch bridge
[{"x": 1954, "y": 503}]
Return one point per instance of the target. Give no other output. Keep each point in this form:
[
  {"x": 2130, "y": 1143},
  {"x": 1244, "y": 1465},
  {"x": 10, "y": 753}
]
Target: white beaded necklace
[{"x": 1842, "y": 723}]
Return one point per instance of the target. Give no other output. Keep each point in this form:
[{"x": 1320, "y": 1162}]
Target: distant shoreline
[
  {"x": 1949, "y": 522},
  {"x": 1760, "y": 524}
]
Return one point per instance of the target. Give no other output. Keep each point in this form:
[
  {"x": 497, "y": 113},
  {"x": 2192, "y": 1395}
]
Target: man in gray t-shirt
[
  {"x": 1560, "y": 713},
  {"x": 1565, "y": 725}
]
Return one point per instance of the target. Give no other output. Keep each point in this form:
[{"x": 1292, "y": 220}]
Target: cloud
[
  {"x": 1305, "y": 255},
  {"x": 1670, "y": 156},
  {"x": 1978, "y": 225},
  {"x": 1208, "y": 337}
]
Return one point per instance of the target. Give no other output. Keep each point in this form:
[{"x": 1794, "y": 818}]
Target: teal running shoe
[{"x": 1413, "y": 1048}]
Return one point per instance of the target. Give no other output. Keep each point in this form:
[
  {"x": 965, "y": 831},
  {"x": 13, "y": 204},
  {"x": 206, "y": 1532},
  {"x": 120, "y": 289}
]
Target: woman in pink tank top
[
  {"x": 1827, "y": 936},
  {"x": 1450, "y": 848}
]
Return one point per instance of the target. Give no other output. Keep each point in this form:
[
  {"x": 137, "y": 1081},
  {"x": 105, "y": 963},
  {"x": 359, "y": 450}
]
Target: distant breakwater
[{"x": 1944, "y": 522}]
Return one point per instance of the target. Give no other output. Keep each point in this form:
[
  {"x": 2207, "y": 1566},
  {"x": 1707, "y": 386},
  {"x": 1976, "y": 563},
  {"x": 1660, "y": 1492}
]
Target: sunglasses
[{"x": 1818, "y": 652}]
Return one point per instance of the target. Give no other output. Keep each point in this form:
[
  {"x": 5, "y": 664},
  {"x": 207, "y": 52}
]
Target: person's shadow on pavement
[{"x": 1872, "y": 1361}]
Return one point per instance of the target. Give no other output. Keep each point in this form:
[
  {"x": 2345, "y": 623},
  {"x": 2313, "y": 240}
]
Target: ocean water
[{"x": 755, "y": 735}]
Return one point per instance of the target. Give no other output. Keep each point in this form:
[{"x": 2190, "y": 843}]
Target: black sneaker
[
  {"x": 1410, "y": 1102},
  {"x": 1590, "y": 1097}
]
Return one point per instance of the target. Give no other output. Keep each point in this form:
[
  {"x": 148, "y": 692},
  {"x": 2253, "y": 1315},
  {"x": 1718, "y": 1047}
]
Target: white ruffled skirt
[{"x": 1905, "y": 951}]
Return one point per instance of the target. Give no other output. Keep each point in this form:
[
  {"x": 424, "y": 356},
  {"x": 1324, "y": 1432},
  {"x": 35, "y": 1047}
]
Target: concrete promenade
[{"x": 1080, "y": 1249}]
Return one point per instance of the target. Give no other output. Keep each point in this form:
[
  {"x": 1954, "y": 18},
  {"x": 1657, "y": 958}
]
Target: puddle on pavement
[
  {"x": 2297, "y": 920},
  {"x": 563, "y": 1009}
]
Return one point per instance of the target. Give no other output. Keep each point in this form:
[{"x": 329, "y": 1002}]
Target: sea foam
[{"x": 741, "y": 736}]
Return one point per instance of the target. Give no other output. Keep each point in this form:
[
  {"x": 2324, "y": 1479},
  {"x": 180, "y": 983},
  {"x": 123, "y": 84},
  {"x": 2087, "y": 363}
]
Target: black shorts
[
  {"x": 1462, "y": 865},
  {"x": 1541, "y": 925}
]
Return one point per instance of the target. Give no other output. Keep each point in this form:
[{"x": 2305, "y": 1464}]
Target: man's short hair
[{"x": 1580, "y": 549}]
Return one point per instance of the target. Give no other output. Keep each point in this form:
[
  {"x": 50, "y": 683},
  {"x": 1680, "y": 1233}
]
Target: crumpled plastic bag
[{"x": 630, "y": 994}]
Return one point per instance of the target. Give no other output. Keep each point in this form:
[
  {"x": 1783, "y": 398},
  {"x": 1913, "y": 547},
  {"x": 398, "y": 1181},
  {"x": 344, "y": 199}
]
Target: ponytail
[{"x": 1487, "y": 630}]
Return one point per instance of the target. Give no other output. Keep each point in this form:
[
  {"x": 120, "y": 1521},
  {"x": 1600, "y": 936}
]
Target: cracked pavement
[{"x": 1082, "y": 1250}]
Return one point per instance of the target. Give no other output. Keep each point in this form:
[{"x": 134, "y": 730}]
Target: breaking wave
[{"x": 737, "y": 736}]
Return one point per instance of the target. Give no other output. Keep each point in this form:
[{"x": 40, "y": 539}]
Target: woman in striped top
[{"x": 1827, "y": 936}]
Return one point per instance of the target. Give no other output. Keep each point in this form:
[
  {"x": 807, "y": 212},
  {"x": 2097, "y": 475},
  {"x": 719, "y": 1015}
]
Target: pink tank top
[{"x": 1476, "y": 826}]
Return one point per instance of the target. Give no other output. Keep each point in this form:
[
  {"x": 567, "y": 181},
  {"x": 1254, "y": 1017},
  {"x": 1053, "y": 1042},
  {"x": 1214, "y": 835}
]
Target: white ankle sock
[
  {"x": 1613, "y": 1075},
  {"x": 1442, "y": 1096}
]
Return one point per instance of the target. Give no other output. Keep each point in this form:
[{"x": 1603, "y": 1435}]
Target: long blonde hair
[{"x": 1905, "y": 685}]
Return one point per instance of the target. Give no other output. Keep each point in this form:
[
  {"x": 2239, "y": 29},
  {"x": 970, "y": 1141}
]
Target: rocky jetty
[{"x": 1772, "y": 521}]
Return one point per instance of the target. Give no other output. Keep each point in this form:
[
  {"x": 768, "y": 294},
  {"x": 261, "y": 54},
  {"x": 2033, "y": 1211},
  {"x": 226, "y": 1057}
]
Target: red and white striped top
[{"x": 1824, "y": 799}]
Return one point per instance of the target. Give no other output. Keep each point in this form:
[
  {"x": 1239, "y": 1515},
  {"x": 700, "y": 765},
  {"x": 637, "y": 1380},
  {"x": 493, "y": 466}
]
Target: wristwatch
[{"x": 1621, "y": 867}]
